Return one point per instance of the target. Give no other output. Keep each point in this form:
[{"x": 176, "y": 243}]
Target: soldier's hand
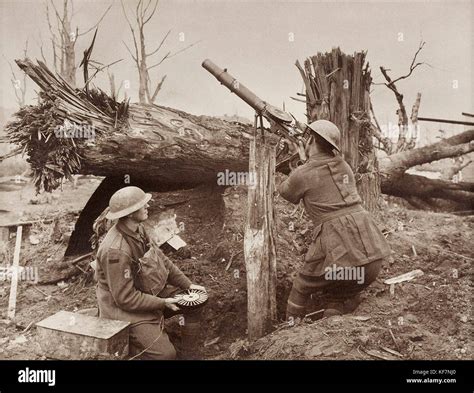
[
  {"x": 197, "y": 287},
  {"x": 302, "y": 150},
  {"x": 170, "y": 303}
]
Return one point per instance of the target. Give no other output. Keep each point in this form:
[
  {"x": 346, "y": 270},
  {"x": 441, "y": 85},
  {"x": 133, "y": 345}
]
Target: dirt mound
[{"x": 426, "y": 318}]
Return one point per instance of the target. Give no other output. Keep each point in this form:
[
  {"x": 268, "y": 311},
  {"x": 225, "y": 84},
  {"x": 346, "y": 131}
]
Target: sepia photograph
[{"x": 220, "y": 183}]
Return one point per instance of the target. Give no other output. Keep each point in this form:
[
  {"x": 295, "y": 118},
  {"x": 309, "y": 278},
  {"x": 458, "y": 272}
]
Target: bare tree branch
[
  {"x": 23, "y": 89},
  {"x": 378, "y": 133},
  {"x": 54, "y": 39},
  {"x": 161, "y": 44},
  {"x": 18, "y": 86},
  {"x": 182, "y": 50},
  {"x": 161, "y": 61},
  {"x": 131, "y": 54},
  {"x": 158, "y": 88},
  {"x": 412, "y": 65},
  {"x": 112, "y": 85},
  {"x": 114, "y": 92},
  {"x": 415, "y": 109},
  {"x": 147, "y": 6},
  {"x": 97, "y": 24},
  {"x": 414, "y": 121},
  {"x": 144, "y": 11},
  {"x": 58, "y": 17},
  {"x": 403, "y": 143},
  {"x": 169, "y": 55},
  {"x": 402, "y": 113},
  {"x": 14, "y": 83},
  {"x": 137, "y": 14},
  {"x": 40, "y": 46},
  {"x": 99, "y": 69},
  {"x": 152, "y": 13},
  {"x": 133, "y": 35}
]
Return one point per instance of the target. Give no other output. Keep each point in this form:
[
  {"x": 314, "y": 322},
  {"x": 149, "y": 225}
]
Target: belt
[{"x": 339, "y": 213}]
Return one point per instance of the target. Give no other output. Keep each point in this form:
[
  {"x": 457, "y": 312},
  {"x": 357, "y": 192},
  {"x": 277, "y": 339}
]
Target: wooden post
[
  {"x": 15, "y": 268},
  {"x": 259, "y": 244}
]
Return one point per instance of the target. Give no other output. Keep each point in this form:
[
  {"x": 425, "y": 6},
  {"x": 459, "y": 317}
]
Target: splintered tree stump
[
  {"x": 337, "y": 89},
  {"x": 259, "y": 244}
]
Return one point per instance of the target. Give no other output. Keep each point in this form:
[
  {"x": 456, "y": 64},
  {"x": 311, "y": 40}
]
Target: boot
[
  {"x": 333, "y": 308},
  {"x": 340, "y": 307},
  {"x": 294, "y": 312},
  {"x": 296, "y": 306}
]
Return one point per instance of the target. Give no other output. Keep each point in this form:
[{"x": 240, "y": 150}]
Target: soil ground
[{"x": 428, "y": 317}]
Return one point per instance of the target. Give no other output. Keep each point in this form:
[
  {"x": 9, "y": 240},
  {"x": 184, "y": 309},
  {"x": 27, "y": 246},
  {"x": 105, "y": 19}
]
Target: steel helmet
[
  {"x": 126, "y": 201},
  {"x": 328, "y": 131}
]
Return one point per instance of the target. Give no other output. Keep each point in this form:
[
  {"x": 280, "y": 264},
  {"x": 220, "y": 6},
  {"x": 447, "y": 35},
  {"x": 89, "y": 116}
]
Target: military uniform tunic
[
  {"x": 131, "y": 279},
  {"x": 345, "y": 234}
]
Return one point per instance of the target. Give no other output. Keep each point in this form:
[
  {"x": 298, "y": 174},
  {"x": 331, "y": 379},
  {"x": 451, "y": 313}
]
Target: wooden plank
[
  {"x": 378, "y": 354},
  {"x": 392, "y": 351},
  {"x": 404, "y": 277},
  {"x": 15, "y": 267}
]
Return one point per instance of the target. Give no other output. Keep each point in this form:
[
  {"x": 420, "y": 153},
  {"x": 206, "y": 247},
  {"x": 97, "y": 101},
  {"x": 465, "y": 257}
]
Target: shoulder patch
[{"x": 113, "y": 256}]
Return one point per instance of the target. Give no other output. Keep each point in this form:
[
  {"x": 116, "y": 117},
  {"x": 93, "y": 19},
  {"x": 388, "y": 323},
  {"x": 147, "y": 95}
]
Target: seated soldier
[{"x": 136, "y": 281}]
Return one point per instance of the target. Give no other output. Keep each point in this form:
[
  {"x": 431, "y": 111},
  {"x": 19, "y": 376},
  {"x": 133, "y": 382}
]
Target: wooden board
[
  {"x": 404, "y": 277},
  {"x": 15, "y": 272}
]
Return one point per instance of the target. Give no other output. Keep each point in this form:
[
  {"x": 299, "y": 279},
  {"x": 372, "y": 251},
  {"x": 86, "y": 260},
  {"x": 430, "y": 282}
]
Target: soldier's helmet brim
[
  {"x": 325, "y": 137},
  {"x": 130, "y": 209}
]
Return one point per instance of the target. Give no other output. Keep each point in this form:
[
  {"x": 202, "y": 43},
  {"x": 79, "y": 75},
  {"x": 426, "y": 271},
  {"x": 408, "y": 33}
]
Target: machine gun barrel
[
  {"x": 275, "y": 116},
  {"x": 280, "y": 121},
  {"x": 235, "y": 86}
]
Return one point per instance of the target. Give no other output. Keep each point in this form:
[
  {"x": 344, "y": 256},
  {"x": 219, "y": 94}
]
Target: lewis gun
[{"x": 282, "y": 123}]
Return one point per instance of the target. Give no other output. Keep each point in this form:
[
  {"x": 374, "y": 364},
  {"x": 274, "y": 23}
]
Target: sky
[{"x": 252, "y": 39}]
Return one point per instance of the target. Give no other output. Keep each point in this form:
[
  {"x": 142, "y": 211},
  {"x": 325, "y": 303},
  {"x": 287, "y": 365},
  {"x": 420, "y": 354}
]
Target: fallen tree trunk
[
  {"x": 408, "y": 185},
  {"x": 171, "y": 147},
  {"x": 136, "y": 142},
  {"x": 396, "y": 164},
  {"x": 394, "y": 180}
]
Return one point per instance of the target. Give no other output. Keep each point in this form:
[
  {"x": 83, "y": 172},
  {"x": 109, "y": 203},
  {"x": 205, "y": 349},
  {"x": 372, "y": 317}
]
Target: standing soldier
[
  {"x": 345, "y": 235},
  {"x": 133, "y": 273}
]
